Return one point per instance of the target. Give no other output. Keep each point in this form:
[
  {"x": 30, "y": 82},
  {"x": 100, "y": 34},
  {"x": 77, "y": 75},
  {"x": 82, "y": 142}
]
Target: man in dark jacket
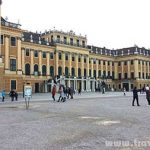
[{"x": 135, "y": 96}]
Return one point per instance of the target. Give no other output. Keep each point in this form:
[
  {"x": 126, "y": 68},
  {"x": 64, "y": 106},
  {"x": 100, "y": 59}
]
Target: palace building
[{"x": 35, "y": 59}]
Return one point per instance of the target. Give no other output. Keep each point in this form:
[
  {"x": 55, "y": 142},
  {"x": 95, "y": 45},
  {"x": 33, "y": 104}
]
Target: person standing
[
  {"x": 3, "y": 95},
  {"x": 54, "y": 92},
  {"x": 135, "y": 96},
  {"x": 124, "y": 91}
]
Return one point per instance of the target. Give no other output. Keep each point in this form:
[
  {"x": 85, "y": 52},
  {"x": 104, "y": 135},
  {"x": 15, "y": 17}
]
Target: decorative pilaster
[
  {"x": 136, "y": 74},
  {"x": 6, "y": 52},
  {"x": 56, "y": 62},
  {"x": 96, "y": 68},
  {"x": 122, "y": 70},
  {"x": 116, "y": 70},
  {"x": 70, "y": 66},
  {"x": 129, "y": 69},
  {"x": 91, "y": 67},
  {"x": 82, "y": 65},
  {"x": 63, "y": 62},
  {"x": 47, "y": 64},
  {"x": 32, "y": 59},
  {"x": 40, "y": 62},
  {"x": 87, "y": 68},
  {"x": 23, "y": 60},
  {"x": 76, "y": 65}
]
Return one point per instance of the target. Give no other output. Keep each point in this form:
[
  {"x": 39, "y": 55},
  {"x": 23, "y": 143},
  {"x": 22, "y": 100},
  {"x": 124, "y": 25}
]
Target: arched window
[
  {"x": 51, "y": 70},
  {"x": 73, "y": 72},
  {"x": 79, "y": 72},
  {"x": 44, "y": 70},
  {"x": 27, "y": 69},
  {"x": 59, "y": 71},
  {"x": 36, "y": 68},
  {"x": 66, "y": 71}
]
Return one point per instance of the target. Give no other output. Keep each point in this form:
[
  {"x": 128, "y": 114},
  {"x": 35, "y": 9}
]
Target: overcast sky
[{"x": 109, "y": 23}]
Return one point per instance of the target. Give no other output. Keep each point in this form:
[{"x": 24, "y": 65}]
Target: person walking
[
  {"x": 3, "y": 95},
  {"x": 12, "y": 95},
  {"x": 124, "y": 91},
  {"x": 54, "y": 92},
  {"x": 135, "y": 96},
  {"x": 61, "y": 93},
  {"x": 16, "y": 95},
  {"x": 147, "y": 89}
]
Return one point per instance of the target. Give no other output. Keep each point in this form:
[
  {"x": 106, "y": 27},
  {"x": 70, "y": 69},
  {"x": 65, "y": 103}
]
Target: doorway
[
  {"x": 126, "y": 86},
  {"x": 36, "y": 87}
]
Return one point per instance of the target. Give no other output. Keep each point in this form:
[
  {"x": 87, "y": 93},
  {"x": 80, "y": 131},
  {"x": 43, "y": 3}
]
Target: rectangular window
[
  {"x": 51, "y": 56},
  {"x": 83, "y": 43},
  {"x": 119, "y": 75},
  {"x": 27, "y": 52},
  {"x": 13, "y": 41},
  {"x": 2, "y": 39},
  {"x": 59, "y": 55},
  {"x": 65, "y": 40},
  {"x": 84, "y": 60},
  {"x": 66, "y": 57},
  {"x": 44, "y": 54},
  {"x": 139, "y": 74},
  {"x": 139, "y": 62},
  {"x": 132, "y": 75},
  {"x": 58, "y": 38},
  {"x": 119, "y": 63},
  {"x": 77, "y": 42},
  {"x": 125, "y": 63},
  {"x": 112, "y": 63},
  {"x": 79, "y": 59},
  {"x": 94, "y": 61},
  {"x": 108, "y": 73},
  {"x": 113, "y": 74},
  {"x": 131, "y": 62},
  {"x": 99, "y": 62},
  {"x": 71, "y": 41},
  {"x": 35, "y": 53},
  {"x": 108, "y": 63},
  {"x": 12, "y": 64},
  {"x": 103, "y": 62},
  {"x": 89, "y": 61},
  {"x": 13, "y": 85},
  {"x": 72, "y": 58},
  {"x": 125, "y": 75}
]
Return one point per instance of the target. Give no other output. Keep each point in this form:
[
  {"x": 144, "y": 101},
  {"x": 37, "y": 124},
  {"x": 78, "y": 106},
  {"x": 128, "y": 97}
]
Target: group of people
[
  {"x": 14, "y": 95},
  {"x": 135, "y": 95},
  {"x": 65, "y": 92}
]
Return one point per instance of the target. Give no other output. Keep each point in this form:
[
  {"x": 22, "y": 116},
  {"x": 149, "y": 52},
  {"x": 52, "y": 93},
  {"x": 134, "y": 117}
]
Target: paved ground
[{"x": 91, "y": 121}]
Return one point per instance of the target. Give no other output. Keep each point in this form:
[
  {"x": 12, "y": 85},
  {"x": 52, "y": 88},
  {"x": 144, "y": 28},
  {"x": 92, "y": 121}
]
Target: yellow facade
[{"x": 35, "y": 59}]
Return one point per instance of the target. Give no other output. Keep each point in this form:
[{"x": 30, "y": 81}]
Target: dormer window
[
  {"x": 83, "y": 43},
  {"x": 71, "y": 41},
  {"x": 65, "y": 40},
  {"x": 58, "y": 38}
]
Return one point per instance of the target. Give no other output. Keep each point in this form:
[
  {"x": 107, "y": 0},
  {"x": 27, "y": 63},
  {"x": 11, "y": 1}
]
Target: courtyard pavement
[{"x": 91, "y": 121}]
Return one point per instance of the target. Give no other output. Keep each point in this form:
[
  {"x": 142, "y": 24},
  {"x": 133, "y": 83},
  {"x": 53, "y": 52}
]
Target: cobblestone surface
[{"x": 88, "y": 122}]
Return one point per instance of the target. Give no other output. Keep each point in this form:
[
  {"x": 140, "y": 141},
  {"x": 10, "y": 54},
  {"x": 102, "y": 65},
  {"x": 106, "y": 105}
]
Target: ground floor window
[{"x": 13, "y": 84}]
